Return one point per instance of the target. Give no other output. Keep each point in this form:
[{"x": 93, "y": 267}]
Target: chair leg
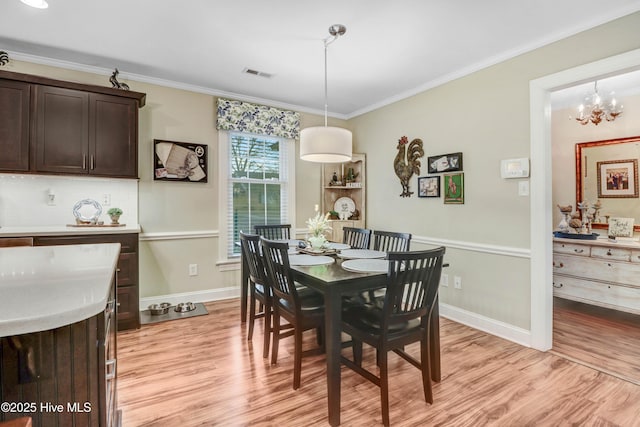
[
  {"x": 252, "y": 313},
  {"x": 357, "y": 352},
  {"x": 267, "y": 330},
  {"x": 276, "y": 337},
  {"x": 384, "y": 386},
  {"x": 425, "y": 362},
  {"x": 297, "y": 358}
]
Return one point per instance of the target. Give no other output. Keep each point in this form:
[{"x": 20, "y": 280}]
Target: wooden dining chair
[
  {"x": 302, "y": 307},
  {"x": 404, "y": 318},
  {"x": 259, "y": 288},
  {"x": 388, "y": 241},
  {"x": 357, "y": 238},
  {"x": 274, "y": 231}
]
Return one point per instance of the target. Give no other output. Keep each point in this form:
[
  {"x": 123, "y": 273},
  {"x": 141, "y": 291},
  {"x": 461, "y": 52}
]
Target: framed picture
[
  {"x": 444, "y": 163},
  {"x": 454, "y": 188},
  {"x": 179, "y": 161},
  {"x": 429, "y": 186},
  {"x": 621, "y": 227},
  {"x": 618, "y": 178}
]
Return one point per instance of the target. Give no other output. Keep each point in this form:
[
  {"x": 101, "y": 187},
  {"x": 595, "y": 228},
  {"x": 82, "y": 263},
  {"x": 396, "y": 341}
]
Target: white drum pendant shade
[{"x": 325, "y": 144}]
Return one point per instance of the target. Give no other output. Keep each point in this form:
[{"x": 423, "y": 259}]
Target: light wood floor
[
  {"x": 203, "y": 372},
  {"x": 608, "y": 340}
]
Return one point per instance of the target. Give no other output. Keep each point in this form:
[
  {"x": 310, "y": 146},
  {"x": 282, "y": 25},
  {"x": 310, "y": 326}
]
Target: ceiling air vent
[{"x": 257, "y": 73}]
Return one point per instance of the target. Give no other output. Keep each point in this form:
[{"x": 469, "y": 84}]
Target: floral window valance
[{"x": 260, "y": 119}]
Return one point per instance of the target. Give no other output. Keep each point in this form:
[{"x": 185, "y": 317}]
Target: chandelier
[
  {"x": 594, "y": 109},
  {"x": 326, "y": 144}
]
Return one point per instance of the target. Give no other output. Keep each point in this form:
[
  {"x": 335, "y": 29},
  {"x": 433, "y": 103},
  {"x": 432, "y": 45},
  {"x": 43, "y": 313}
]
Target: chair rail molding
[
  {"x": 474, "y": 247},
  {"x": 179, "y": 235}
]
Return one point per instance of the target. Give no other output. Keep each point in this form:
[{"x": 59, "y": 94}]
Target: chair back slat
[
  {"x": 253, "y": 255},
  {"x": 357, "y": 238},
  {"x": 388, "y": 241},
  {"x": 412, "y": 285},
  {"x": 276, "y": 257},
  {"x": 274, "y": 231}
]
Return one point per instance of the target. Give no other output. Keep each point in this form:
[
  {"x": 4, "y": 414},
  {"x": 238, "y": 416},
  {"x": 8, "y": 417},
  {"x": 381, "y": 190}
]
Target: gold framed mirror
[{"x": 607, "y": 171}]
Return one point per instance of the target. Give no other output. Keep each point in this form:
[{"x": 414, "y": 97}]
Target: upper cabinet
[
  {"x": 344, "y": 194},
  {"x": 14, "y": 125},
  {"x": 70, "y": 128}
]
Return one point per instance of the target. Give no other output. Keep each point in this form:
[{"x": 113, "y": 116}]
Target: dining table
[{"x": 334, "y": 282}]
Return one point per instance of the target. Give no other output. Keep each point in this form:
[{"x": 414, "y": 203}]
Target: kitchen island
[{"x": 58, "y": 334}]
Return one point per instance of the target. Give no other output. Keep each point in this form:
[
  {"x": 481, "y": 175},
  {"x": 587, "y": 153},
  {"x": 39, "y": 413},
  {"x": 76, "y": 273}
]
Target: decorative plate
[
  {"x": 305, "y": 260},
  {"x": 345, "y": 204},
  {"x": 87, "y": 210},
  {"x": 337, "y": 246},
  {"x": 361, "y": 253},
  {"x": 366, "y": 265}
]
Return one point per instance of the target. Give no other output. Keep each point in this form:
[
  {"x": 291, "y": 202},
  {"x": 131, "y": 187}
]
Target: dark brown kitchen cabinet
[
  {"x": 14, "y": 126},
  {"x": 128, "y": 311},
  {"x": 73, "y": 366},
  {"x": 57, "y": 127},
  {"x": 85, "y": 133}
]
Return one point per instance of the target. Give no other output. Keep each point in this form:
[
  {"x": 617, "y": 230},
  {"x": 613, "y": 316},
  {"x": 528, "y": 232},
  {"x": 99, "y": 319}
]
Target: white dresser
[{"x": 598, "y": 272}]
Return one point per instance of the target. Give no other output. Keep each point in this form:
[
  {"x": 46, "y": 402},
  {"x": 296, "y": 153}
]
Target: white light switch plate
[{"x": 523, "y": 188}]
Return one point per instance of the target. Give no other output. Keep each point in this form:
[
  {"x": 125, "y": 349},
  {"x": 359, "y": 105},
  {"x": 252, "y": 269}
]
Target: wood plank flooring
[
  {"x": 605, "y": 339},
  {"x": 203, "y": 372}
]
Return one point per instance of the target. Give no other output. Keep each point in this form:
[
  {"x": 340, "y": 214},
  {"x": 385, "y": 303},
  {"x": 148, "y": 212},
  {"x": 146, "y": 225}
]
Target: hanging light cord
[{"x": 335, "y": 31}]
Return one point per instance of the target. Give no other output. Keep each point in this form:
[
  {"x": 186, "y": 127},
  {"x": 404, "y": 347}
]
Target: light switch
[{"x": 523, "y": 188}]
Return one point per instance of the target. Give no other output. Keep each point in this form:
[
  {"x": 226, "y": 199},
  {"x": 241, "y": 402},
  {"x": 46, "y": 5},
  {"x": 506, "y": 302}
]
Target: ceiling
[{"x": 391, "y": 49}]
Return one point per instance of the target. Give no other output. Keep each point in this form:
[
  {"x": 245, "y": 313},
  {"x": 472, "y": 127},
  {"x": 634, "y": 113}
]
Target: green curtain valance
[{"x": 259, "y": 119}]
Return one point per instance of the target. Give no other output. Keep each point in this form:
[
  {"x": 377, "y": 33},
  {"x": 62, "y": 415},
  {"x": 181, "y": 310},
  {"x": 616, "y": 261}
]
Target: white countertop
[
  {"x": 63, "y": 230},
  {"x": 621, "y": 242},
  {"x": 46, "y": 287}
]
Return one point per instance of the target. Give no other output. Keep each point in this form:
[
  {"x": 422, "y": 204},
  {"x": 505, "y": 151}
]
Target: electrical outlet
[
  {"x": 457, "y": 282},
  {"x": 444, "y": 280},
  {"x": 106, "y": 199},
  {"x": 193, "y": 269}
]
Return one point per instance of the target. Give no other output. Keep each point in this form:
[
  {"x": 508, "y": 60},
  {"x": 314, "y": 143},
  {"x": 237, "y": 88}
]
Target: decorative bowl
[{"x": 157, "y": 309}]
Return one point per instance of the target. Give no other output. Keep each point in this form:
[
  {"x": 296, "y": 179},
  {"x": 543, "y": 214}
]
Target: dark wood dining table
[{"x": 334, "y": 282}]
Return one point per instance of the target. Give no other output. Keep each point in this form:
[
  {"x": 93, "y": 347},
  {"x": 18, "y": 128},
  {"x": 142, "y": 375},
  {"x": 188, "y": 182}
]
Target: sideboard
[{"x": 598, "y": 272}]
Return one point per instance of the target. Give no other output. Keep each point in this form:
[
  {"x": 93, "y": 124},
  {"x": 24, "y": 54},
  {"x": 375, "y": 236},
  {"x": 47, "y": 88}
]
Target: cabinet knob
[
  {"x": 609, "y": 252},
  {"x": 558, "y": 265}
]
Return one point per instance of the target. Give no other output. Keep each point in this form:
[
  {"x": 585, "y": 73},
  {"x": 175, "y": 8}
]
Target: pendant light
[{"x": 326, "y": 144}]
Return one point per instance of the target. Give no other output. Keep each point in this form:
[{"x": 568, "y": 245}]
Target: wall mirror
[{"x": 608, "y": 171}]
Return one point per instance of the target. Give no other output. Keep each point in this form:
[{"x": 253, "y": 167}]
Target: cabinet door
[
  {"x": 14, "y": 126},
  {"x": 113, "y": 136},
  {"x": 62, "y": 130}
]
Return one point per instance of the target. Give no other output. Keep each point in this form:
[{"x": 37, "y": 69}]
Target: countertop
[
  {"x": 46, "y": 287},
  {"x": 63, "y": 230},
  {"x": 621, "y": 242}
]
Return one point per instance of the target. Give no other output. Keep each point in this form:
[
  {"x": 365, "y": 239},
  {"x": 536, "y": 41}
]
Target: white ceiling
[{"x": 392, "y": 49}]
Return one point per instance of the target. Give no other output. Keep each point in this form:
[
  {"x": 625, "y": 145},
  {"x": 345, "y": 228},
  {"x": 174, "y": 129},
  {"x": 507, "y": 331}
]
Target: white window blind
[{"x": 258, "y": 184}]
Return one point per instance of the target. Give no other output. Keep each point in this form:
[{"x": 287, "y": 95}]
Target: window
[{"x": 257, "y": 185}]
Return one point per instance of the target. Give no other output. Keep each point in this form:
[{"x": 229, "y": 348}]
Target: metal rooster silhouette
[{"x": 407, "y": 162}]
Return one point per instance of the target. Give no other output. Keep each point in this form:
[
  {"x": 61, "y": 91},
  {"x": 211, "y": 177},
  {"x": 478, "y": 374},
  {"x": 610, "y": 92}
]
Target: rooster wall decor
[{"x": 407, "y": 162}]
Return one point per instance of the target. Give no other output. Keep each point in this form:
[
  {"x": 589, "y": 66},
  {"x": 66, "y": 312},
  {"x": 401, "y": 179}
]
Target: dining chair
[
  {"x": 357, "y": 238},
  {"x": 259, "y": 289},
  {"x": 388, "y": 241},
  {"x": 404, "y": 318},
  {"x": 274, "y": 231},
  {"x": 302, "y": 307}
]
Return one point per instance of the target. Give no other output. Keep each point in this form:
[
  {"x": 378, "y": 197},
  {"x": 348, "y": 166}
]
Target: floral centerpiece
[{"x": 318, "y": 225}]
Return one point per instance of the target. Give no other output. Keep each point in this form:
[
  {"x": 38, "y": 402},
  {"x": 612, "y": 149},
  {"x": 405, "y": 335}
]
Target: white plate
[
  {"x": 305, "y": 260},
  {"x": 361, "y": 253},
  {"x": 337, "y": 246},
  {"x": 366, "y": 265},
  {"x": 344, "y": 204}
]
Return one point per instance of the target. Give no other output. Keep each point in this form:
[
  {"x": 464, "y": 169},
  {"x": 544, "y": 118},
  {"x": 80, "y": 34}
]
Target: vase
[
  {"x": 115, "y": 219},
  {"x": 317, "y": 242}
]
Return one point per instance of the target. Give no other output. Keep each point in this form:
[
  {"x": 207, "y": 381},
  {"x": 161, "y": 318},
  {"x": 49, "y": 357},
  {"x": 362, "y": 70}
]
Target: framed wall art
[
  {"x": 429, "y": 186},
  {"x": 618, "y": 178},
  {"x": 444, "y": 163},
  {"x": 453, "y": 188},
  {"x": 179, "y": 161}
]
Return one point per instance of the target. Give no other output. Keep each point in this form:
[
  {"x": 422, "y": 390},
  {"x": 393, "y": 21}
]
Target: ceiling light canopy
[
  {"x": 326, "y": 144},
  {"x": 40, "y": 4},
  {"x": 594, "y": 109}
]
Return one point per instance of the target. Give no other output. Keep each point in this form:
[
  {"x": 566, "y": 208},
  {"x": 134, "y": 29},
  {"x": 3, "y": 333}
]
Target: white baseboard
[
  {"x": 196, "y": 296},
  {"x": 486, "y": 324}
]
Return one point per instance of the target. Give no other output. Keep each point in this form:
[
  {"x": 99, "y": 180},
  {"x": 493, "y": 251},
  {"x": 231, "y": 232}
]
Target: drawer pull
[
  {"x": 557, "y": 286},
  {"x": 578, "y": 251},
  {"x": 609, "y": 252},
  {"x": 558, "y": 265}
]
